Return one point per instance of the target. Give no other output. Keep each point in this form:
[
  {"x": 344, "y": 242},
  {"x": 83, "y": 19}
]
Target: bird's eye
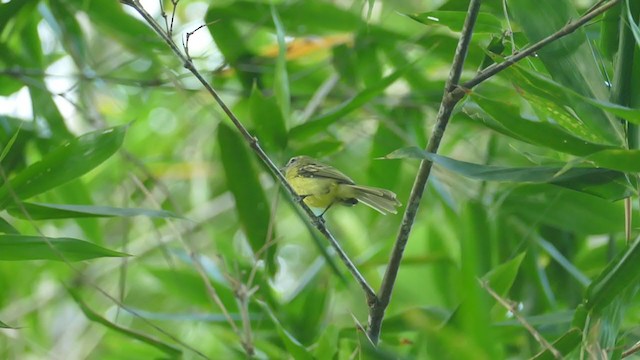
[{"x": 292, "y": 160}]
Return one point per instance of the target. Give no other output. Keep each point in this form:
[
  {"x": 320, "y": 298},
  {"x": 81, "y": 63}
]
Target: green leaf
[
  {"x": 505, "y": 118},
  {"x": 168, "y": 349},
  {"x": 41, "y": 211},
  {"x": 631, "y": 22},
  {"x": 7, "y": 148},
  {"x": 71, "y": 160},
  {"x": 610, "y": 32},
  {"x": 268, "y": 121},
  {"x": 501, "y": 277},
  {"x": 564, "y": 262},
  {"x": 321, "y": 148},
  {"x": 570, "y": 61},
  {"x": 454, "y": 20},
  {"x": 421, "y": 318},
  {"x": 582, "y": 179},
  {"x": 111, "y": 20},
  {"x": 67, "y": 29},
  {"x": 7, "y": 228},
  {"x": 565, "y": 344},
  {"x": 472, "y": 317},
  {"x": 561, "y": 95},
  {"x": 321, "y": 122},
  {"x": 281, "y": 85},
  {"x": 565, "y": 209},
  {"x": 621, "y": 273},
  {"x": 5, "y": 326},
  {"x": 187, "y": 285},
  {"x": 327, "y": 345},
  {"x": 242, "y": 179},
  {"x": 26, "y": 247},
  {"x": 294, "y": 347}
]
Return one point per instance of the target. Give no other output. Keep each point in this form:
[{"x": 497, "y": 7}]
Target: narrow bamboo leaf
[
  {"x": 561, "y": 318},
  {"x": 552, "y": 98},
  {"x": 485, "y": 23},
  {"x": 7, "y": 148},
  {"x": 321, "y": 148},
  {"x": 26, "y": 247},
  {"x": 577, "y": 178},
  {"x": 63, "y": 22},
  {"x": 319, "y": 124},
  {"x": 564, "y": 262},
  {"x": 631, "y": 22},
  {"x": 506, "y": 119},
  {"x": 327, "y": 345},
  {"x": 5, "y": 326},
  {"x": 41, "y": 211},
  {"x": 168, "y": 349},
  {"x": 620, "y": 274},
  {"x": 610, "y": 32},
  {"x": 570, "y": 61},
  {"x": 294, "y": 347},
  {"x": 242, "y": 179},
  {"x": 565, "y": 344},
  {"x": 281, "y": 84},
  {"x": 188, "y": 287},
  {"x": 421, "y": 318},
  {"x": 267, "y": 121},
  {"x": 565, "y": 209},
  {"x": 472, "y": 316},
  {"x": 109, "y": 17},
  {"x": 7, "y": 228},
  {"x": 615, "y": 159},
  {"x": 64, "y": 163},
  {"x": 501, "y": 277}
]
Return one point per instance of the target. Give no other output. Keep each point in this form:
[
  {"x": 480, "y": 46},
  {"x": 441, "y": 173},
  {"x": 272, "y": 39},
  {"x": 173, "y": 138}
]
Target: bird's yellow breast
[{"x": 316, "y": 192}]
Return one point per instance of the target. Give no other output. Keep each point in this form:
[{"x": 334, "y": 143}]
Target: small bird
[{"x": 321, "y": 186}]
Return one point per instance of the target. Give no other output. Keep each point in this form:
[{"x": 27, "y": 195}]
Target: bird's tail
[{"x": 382, "y": 200}]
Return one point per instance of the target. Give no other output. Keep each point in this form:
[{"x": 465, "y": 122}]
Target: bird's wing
[{"x": 324, "y": 171}]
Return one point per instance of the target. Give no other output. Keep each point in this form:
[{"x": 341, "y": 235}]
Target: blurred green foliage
[{"x": 137, "y": 223}]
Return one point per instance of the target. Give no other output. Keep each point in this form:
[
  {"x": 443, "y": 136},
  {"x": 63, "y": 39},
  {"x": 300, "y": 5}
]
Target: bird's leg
[{"x": 325, "y": 210}]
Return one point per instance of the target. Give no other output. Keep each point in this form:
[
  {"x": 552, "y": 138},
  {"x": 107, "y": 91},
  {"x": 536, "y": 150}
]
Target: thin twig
[
  {"x": 632, "y": 350},
  {"x": 510, "y": 60},
  {"x": 255, "y": 146},
  {"x": 376, "y": 312},
  {"x": 536, "y": 335}
]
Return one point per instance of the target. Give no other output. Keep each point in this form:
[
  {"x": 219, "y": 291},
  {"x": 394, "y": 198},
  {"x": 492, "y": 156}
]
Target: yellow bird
[{"x": 321, "y": 186}]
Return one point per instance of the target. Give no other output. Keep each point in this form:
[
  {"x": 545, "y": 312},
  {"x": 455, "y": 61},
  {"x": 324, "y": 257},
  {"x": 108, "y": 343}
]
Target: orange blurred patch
[{"x": 301, "y": 47}]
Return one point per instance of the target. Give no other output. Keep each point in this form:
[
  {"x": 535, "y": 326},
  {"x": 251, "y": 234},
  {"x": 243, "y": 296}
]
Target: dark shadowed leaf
[{"x": 242, "y": 179}]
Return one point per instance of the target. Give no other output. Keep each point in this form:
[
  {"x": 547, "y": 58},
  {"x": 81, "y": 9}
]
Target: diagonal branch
[
  {"x": 376, "y": 312},
  {"x": 452, "y": 95},
  {"x": 255, "y": 146}
]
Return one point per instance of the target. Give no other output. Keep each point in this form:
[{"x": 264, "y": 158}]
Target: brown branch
[
  {"x": 255, "y": 146},
  {"x": 452, "y": 95},
  {"x": 376, "y": 312}
]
